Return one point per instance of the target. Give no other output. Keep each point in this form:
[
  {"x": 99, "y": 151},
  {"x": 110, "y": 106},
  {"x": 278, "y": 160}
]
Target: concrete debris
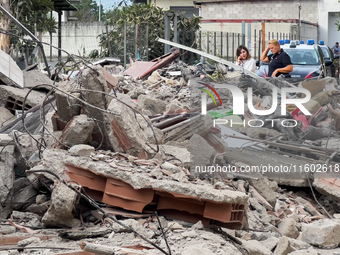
[
  {"x": 78, "y": 131},
  {"x": 61, "y": 210},
  {"x": 36, "y": 77},
  {"x": 5, "y": 116},
  {"x": 83, "y": 150},
  {"x": 288, "y": 228},
  {"x": 283, "y": 247},
  {"x": 256, "y": 248},
  {"x": 15, "y": 99},
  {"x": 322, "y": 233},
  {"x": 134, "y": 142}
]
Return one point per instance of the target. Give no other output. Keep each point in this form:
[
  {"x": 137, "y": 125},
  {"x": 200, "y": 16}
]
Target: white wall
[
  {"x": 165, "y": 4},
  {"x": 76, "y": 37},
  {"x": 328, "y": 14}
]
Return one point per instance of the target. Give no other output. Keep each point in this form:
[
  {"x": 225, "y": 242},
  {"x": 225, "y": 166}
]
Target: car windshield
[
  {"x": 303, "y": 56},
  {"x": 325, "y": 52}
]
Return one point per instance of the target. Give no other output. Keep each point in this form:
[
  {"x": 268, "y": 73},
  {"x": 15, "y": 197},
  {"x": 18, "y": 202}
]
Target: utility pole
[
  {"x": 100, "y": 4},
  {"x": 299, "y": 25}
]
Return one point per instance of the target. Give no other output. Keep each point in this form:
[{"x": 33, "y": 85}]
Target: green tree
[
  {"x": 31, "y": 13},
  {"x": 137, "y": 18},
  {"x": 35, "y": 16},
  {"x": 88, "y": 11}
]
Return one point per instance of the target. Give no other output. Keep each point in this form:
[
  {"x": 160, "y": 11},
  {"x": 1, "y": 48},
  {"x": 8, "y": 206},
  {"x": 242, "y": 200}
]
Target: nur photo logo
[{"x": 239, "y": 102}]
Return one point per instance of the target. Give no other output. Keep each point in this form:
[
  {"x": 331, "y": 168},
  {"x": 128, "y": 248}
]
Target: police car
[
  {"x": 308, "y": 60},
  {"x": 330, "y": 59}
]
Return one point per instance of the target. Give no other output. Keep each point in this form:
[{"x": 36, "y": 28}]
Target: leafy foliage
[
  {"x": 139, "y": 19},
  {"x": 31, "y": 12},
  {"x": 34, "y": 15},
  {"x": 88, "y": 11}
]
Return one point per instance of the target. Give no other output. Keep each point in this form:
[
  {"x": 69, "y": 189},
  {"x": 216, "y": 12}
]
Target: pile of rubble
[{"x": 105, "y": 162}]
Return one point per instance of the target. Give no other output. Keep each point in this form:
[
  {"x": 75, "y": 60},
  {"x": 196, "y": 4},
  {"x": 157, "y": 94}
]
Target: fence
[{"x": 224, "y": 44}]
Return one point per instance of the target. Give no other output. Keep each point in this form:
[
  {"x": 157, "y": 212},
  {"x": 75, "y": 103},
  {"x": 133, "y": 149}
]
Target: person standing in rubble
[
  {"x": 244, "y": 59},
  {"x": 279, "y": 61},
  {"x": 336, "y": 48}
]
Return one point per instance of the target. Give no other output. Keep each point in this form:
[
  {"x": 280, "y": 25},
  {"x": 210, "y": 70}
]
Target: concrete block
[
  {"x": 322, "y": 98},
  {"x": 312, "y": 106},
  {"x": 83, "y": 150},
  {"x": 123, "y": 131},
  {"x": 287, "y": 228},
  {"x": 60, "y": 213},
  {"x": 322, "y": 233},
  {"x": 67, "y": 107},
  {"x": 283, "y": 247},
  {"x": 256, "y": 248},
  {"x": 155, "y": 106},
  {"x": 78, "y": 131}
]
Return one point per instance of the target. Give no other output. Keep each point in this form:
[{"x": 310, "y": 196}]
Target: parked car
[
  {"x": 308, "y": 60},
  {"x": 330, "y": 59}
]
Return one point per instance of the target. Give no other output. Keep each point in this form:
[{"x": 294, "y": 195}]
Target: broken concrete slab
[
  {"x": 314, "y": 86},
  {"x": 94, "y": 79},
  {"x": 36, "y": 77},
  {"x": 123, "y": 132},
  {"x": 13, "y": 98},
  {"x": 139, "y": 189},
  {"x": 129, "y": 101},
  {"x": 322, "y": 233},
  {"x": 328, "y": 186},
  {"x": 61, "y": 210},
  {"x": 78, "y": 131}
]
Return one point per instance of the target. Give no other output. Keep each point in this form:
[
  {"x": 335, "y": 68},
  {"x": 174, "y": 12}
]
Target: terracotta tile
[
  {"x": 220, "y": 212},
  {"x": 122, "y": 194},
  {"x": 180, "y": 205},
  {"x": 86, "y": 178}
]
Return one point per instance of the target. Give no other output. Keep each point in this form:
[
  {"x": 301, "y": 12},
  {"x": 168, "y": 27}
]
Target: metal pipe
[
  {"x": 59, "y": 36},
  {"x": 180, "y": 124},
  {"x": 30, "y": 34},
  {"x": 169, "y": 122}
]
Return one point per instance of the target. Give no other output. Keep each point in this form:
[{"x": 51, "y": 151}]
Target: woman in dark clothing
[{"x": 279, "y": 61}]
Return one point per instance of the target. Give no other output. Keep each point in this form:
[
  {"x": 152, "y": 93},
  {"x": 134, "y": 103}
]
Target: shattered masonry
[{"x": 105, "y": 160}]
